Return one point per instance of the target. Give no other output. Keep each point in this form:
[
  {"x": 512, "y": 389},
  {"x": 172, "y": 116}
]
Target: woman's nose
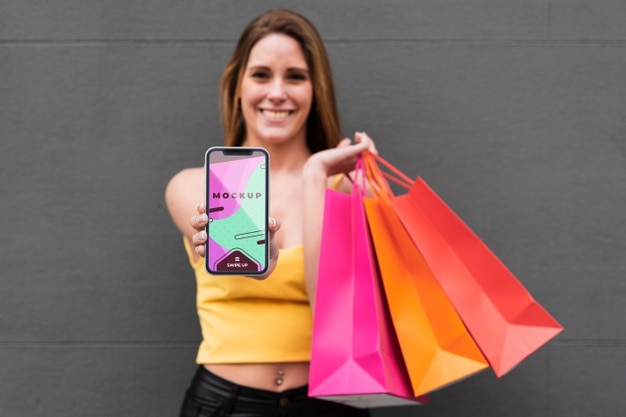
[{"x": 277, "y": 90}]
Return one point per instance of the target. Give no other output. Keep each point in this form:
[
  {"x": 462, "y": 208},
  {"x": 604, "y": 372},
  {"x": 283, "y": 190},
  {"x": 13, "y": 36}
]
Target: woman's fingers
[
  {"x": 344, "y": 142},
  {"x": 273, "y": 225},
  {"x": 199, "y": 241},
  {"x": 199, "y": 238},
  {"x": 200, "y": 220},
  {"x": 367, "y": 142}
]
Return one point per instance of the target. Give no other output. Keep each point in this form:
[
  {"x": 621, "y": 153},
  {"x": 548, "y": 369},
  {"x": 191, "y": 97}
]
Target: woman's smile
[{"x": 276, "y": 115}]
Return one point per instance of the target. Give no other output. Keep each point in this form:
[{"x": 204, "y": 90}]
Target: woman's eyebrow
[
  {"x": 298, "y": 69},
  {"x": 253, "y": 67},
  {"x": 267, "y": 68}
]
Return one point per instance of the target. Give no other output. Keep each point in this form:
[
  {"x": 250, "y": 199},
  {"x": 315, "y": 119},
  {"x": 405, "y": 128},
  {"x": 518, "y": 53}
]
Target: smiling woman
[{"x": 277, "y": 93}]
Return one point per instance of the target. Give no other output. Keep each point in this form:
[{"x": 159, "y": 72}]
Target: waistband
[{"x": 224, "y": 385}]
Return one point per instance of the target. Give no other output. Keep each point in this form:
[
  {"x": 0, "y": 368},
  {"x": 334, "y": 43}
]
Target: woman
[{"x": 277, "y": 93}]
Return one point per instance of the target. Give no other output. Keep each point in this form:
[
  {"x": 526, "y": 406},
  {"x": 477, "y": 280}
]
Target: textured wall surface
[{"x": 512, "y": 110}]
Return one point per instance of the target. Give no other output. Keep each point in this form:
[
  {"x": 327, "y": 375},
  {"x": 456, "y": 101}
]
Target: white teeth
[{"x": 275, "y": 114}]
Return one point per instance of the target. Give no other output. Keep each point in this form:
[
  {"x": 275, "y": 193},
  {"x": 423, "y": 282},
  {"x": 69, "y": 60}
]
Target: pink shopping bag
[{"x": 355, "y": 358}]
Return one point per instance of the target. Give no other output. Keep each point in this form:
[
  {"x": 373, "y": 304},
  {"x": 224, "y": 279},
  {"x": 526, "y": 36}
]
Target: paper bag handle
[{"x": 378, "y": 178}]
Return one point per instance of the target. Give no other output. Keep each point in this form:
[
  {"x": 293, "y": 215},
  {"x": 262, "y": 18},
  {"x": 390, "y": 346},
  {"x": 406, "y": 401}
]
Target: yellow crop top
[{"x": 247, "y": 320}]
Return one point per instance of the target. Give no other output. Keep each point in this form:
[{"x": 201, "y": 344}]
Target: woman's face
[{"x": 276, "y": 92}]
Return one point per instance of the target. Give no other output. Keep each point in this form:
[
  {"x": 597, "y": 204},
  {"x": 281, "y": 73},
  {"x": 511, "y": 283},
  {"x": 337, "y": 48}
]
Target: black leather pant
[{"x": 210, "y": 395}]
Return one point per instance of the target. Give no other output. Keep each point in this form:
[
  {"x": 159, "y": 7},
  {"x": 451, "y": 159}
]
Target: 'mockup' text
[{"x": 239, "y": 196}]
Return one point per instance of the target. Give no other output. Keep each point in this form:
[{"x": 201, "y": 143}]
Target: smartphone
[{"x": 237, "y": 204}]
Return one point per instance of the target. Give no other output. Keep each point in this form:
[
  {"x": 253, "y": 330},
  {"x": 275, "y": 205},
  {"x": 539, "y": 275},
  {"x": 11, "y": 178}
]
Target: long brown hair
[{"x": 323, "y": 128}]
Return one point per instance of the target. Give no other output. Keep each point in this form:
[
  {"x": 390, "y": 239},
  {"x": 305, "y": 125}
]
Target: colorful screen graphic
[{"x": 237, "y": 209}]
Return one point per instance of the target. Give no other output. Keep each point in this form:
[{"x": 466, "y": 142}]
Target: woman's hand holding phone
[{"x": 199, "y": 239}]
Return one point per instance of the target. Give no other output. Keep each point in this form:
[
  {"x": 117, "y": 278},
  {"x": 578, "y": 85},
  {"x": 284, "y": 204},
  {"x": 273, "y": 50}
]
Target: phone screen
[{"x": 237, "y": 207}]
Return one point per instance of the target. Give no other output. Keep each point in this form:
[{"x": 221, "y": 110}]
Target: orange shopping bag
[
  {"x": 437, "y": 348},
  {"x": 501, "y": 315}
]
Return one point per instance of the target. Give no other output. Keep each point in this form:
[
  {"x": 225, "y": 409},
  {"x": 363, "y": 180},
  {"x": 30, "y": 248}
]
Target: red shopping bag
[
  {"x": 355, "y": 357},
  {"x": 436, "y": 347},
  {"x": 502, "y": 316}
]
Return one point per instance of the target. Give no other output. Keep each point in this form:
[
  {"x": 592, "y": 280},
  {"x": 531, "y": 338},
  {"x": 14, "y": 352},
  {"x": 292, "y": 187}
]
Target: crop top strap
[{"x": 337, "y": 180}]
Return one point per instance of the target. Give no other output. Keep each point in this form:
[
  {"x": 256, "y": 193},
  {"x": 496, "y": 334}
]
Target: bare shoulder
[{"x": 183, "y": 193}]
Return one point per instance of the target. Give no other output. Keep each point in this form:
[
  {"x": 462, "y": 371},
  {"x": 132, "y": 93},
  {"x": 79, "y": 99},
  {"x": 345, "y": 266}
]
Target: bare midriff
[{"x": 275, "y": 377}]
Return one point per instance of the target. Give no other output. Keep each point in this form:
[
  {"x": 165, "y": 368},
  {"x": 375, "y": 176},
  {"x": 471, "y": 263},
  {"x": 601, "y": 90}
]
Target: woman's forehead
[{"x": 277, "y": 48}]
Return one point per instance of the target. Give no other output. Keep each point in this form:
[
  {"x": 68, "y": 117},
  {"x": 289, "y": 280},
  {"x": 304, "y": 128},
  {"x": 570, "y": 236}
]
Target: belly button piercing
[{"x": 279, "y": 379}]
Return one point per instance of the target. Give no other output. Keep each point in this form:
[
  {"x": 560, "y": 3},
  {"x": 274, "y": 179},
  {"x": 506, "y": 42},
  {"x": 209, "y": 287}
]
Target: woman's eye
[
  {"x": 296, "y": 76},
  {"x": 260, "y": 75}
]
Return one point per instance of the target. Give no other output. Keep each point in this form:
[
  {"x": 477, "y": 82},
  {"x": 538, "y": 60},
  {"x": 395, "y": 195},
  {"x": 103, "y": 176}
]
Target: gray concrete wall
[{"x": 512, "y": 110}]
